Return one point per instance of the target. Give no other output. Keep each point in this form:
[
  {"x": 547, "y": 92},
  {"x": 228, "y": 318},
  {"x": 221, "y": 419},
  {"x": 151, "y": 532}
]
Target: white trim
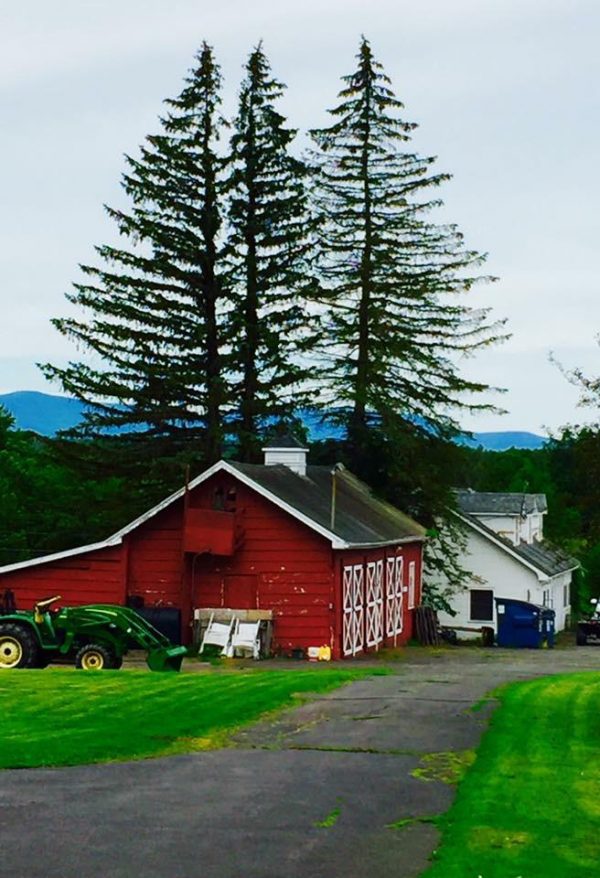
[
  {"x": 381, "y": 545},
  {"x": 412, "y": 584},
  {"x": 542, "y": 577},
  {"x": 221, "y": 465},
  {"x": 336, "y": 542},
  {"x": 282, "y": 448},
  {"x": 57, "y": 556},
  {"x": 166, "y": 502}
]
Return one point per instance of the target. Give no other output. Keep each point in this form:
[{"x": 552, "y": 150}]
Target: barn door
[
  {"x": 353, "y": 602},
  {"x": 393, "y": 597},
  {"x": 374, "y": 616}
]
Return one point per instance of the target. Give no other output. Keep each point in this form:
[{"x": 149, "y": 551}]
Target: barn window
[
  {"x": 218, "y": 499},
  {"x": 230, "y": 499},
  {"x": 482, "y": 605},
  {"x": 411, "y": 585}
]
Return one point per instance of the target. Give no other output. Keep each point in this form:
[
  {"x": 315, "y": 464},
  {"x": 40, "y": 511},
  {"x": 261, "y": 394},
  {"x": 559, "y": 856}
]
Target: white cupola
[{"x": 287, "y": 451}]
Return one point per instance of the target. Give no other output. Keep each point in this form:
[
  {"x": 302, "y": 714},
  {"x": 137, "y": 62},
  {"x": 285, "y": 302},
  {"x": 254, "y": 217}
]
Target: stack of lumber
[{"x": 426, "y": 626}]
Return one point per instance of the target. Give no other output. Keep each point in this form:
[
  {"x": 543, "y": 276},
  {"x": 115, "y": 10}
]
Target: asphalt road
[{"x": 310, "y": 795}]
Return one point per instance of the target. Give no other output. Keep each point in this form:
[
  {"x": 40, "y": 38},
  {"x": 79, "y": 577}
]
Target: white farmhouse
[{"x": 507, "y": 557}]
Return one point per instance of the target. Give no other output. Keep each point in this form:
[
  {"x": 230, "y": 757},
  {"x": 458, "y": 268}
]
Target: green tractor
[{"x": 95, "y": 637}]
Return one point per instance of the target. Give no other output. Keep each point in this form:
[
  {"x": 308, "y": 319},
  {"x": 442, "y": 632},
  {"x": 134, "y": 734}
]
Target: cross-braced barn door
[
  {"x": 353, "y": 602},
  {"x": 374, "y": 617},
  {"x": 393, "y": 597}
]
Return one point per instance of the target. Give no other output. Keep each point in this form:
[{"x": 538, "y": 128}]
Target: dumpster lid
[{"x": 514, "y": 602}]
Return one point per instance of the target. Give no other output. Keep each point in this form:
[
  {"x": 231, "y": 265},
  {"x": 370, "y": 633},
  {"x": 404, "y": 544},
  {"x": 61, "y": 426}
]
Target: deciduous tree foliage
[{"x": 48, "y": 503}]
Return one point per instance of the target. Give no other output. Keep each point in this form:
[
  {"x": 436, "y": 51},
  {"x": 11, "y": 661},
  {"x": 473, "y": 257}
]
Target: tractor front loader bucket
[{"x": 167, "y": 658}]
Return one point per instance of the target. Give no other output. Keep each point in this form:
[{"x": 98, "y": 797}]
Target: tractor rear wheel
[
  {"x": 18, "y": 647},
  {"x": 96, "y": 657}
]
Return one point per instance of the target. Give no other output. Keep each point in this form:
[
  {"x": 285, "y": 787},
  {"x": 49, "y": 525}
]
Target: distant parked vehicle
[{"x": 588, "y": 630}]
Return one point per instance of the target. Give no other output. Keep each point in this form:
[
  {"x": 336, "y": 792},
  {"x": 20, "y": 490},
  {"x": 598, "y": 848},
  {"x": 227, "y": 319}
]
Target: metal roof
[
  {"x": 488, "y": 503},
  {"x": 361, "y": 519},
  {"x": 548, "y": 558},
  {"x": 541, "y": 555}
]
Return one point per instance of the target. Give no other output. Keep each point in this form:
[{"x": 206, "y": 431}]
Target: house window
[
  {"x": 482, "y": 605},
  {"x": 411, "y": 585},
  {"x": 548, "y": 602},
  {"x": 566, "y": 595}
]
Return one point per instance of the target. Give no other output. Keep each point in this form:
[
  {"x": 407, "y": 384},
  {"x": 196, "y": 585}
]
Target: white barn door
[
  {"x": 353, "y": 603},
  {"x": 374, "y": 616},
  {"x": 393, "y": 597}
]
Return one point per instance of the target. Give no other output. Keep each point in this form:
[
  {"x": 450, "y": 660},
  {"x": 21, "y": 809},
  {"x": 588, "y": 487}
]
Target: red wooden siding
[
  {"x": 93, "y": 577},
  {"x": 279, "y": 565},
  {"x": 155, "y": 563}
]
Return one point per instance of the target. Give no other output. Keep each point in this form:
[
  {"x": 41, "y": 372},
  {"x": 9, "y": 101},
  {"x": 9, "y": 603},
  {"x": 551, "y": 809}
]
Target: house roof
[
  {"x": 540, "y": 556},
  {"x": 488, "y": 503},
  {"x": 546, "y": 557},
  {"x": 361, "y": 520}
]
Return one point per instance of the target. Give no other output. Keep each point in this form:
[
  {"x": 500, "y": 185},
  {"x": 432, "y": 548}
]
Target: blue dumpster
[{"x": 523, "y": 624}]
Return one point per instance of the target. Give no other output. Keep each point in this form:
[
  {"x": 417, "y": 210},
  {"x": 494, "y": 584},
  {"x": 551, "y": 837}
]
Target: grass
[
  {"x": 330, "y": 820},
  {"x": 530, "y": 805},
  {"x": 62, "y": 717},
  {"x": 447, "y": 767}
]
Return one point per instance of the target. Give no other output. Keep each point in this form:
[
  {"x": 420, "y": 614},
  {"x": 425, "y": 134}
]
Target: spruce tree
[
  {"x": 394, "y": 322},
  {"x": 152, "y": 326},
  {"x": 269, "y": 252}
]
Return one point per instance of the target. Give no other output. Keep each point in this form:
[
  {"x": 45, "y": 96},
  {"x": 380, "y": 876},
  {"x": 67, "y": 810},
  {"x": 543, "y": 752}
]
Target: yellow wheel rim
[
  {"x": 11, "y": 652},
  {"x": 92, "y": 661}
]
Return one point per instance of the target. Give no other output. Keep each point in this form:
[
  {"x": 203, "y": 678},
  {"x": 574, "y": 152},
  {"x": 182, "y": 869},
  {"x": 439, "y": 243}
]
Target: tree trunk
[
  {"x": 249, "y": 354},
  {"x": 358, "y": 420}
]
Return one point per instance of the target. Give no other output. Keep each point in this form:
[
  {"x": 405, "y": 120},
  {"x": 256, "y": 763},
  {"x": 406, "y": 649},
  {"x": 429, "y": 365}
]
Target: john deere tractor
[{"x": 94, "y": 637}]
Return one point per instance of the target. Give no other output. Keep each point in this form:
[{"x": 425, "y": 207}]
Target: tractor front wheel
[
  {"x": 96, "y": 657},
  {"x": 18, "y": 647}
]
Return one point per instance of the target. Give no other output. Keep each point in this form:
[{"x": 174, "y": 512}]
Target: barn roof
[
  {"x": 540, "y": 556},
  {"x": 488, "y": 503},
  {"x": 361, "y": 519}
]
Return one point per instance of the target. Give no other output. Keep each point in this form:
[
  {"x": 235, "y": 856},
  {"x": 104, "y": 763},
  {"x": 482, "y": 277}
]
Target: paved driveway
[{"x": 310, "y": 795}]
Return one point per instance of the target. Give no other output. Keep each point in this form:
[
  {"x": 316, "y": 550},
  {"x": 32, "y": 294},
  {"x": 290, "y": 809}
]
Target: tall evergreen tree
[
  {"x": 393, "y": 323},
  {"x": 269, "y": 251},
  {"x": 152, "y": 309}
]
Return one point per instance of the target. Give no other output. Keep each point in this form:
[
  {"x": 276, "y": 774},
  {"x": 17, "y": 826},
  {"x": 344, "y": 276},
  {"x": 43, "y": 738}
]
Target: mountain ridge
[{"x": 46, "y": 414}]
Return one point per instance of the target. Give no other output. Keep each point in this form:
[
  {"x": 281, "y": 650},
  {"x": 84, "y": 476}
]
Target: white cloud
[{"x": 501, "y": 91}]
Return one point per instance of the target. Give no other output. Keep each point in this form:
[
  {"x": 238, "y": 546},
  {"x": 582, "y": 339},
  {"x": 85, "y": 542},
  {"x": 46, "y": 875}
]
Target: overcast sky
[{"x": 505, "y": 93}]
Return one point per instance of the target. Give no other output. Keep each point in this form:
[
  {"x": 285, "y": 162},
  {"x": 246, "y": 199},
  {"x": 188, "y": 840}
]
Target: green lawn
[
  {"x": 65, "y": 717},
  {"x": 530, "y": 805}
]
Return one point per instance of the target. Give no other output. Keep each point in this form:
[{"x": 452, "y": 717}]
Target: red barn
[{"x": 334, "y": 564}]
